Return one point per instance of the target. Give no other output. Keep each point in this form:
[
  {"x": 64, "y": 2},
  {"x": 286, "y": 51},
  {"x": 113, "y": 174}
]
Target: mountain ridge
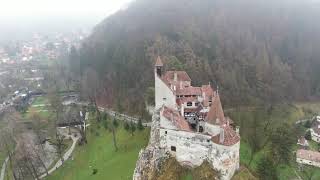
[{"x": 256, "y": 52}]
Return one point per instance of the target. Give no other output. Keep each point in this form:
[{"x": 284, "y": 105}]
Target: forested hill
[{"x": 256, "y": 51}]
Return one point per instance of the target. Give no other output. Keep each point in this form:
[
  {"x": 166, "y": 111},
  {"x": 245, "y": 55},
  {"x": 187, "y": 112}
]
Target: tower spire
[
  {"x": 158, "y": 62},
  {"x": 158, "y": 67}
]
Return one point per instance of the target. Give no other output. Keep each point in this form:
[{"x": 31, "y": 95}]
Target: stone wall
[
  {"x": 189, "y": 148},
  {"x": 314, "y": 136},
  {"x": 308, "y": 162}
]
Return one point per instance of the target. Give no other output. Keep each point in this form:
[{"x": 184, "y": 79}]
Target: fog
[{"x": 19, "y": 19}]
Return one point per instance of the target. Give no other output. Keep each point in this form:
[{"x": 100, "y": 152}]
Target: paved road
[
  {"x": 66, "y": 156},
  {"x": 3, "y": 169}
]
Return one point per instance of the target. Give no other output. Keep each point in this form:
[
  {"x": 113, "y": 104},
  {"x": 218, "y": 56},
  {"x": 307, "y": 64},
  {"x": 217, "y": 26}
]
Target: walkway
[
  {"x": 123, "y": 117},
  {"x": 66, "y": 156},
  {"x": 3, "y": 169}
]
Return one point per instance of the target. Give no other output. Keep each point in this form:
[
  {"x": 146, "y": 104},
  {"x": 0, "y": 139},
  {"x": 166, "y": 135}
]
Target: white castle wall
[
  {"x": 193, "y": 148},
  {"x": 211, "y": 129},
  {"x": 308, "y": 162},
  {"x": 163, "y": 94},
  {"x": 314, "y": 136},
  {"x": 164, "y": 122}
]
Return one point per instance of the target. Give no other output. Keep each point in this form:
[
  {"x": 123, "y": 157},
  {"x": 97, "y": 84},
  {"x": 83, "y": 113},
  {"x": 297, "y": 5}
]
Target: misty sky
[
  {"x": 29, "y": 8},
  {"x": 19, "y": 19}
]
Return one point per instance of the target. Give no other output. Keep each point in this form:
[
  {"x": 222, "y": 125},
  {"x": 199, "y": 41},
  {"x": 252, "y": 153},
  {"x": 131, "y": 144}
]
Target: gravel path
[{"x": 66, "y": 156}]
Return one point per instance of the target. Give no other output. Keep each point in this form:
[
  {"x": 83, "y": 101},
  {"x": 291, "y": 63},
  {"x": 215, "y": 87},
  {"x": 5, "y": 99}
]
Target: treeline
[{"x": 255, "y": 51}]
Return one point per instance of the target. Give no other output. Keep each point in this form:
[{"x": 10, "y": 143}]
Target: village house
[
  {"x": 308, "y": 157},
  {"x": 303, "y": 142},
  {"x": 193, "y": 127},
  {"x": 315, "y": 130}
]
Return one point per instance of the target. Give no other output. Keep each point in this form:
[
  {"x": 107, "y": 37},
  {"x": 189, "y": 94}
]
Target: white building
[
  {"x": 308, "y": 157},
  {"x": 192, "y": 125},
  {"x": 315, "y": 130},
  {"x": 303, "y": 142}
]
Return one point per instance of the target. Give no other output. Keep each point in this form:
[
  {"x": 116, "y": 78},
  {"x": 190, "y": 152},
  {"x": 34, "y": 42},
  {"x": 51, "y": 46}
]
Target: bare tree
[
  {"x": 90, "y": 88},
  {"x": 60, "y": 145},
  {"x": 7, "y": 143}
]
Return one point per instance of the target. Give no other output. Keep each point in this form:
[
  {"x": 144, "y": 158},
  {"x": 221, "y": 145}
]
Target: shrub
[{"x": 94, "y": 171}]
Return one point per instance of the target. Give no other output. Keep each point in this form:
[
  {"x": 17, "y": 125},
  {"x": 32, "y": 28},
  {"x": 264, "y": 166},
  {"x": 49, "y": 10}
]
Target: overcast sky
[
  {"x": 18, "y": 8},
  {"x": 19, "y": 19}
]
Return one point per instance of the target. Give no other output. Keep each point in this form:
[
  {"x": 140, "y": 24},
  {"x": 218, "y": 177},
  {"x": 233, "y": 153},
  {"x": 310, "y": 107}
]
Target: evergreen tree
[
  {"x": 132, "y": 128},
  {"x": 115, "y": 123},
  {"x": 267, "y": 169},
  {"x": 282, "y": 141},
  {"x": 308, "y": 135},
  {"x": 126, "y": 126},
  {"x": 140, "y": 125},
  {"x": 307, "y": 124}
]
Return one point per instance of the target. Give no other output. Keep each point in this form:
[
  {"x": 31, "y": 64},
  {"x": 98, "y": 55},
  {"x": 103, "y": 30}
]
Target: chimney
[
  {"x": 182, "y": 110},
  {"x": 238, "y": 130},
  {"x": 175, "y": 76},
  {"x": 221, "y": 140}
]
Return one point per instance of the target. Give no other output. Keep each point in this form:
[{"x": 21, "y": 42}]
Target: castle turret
[
  {"x": 216, "y": 114},
  {"x": 158, "y": 67}
]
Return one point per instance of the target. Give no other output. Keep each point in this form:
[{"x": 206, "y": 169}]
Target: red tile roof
[
  {"x": 181, "y": 76},
  {"x": 230, "y": 137},
  {"x": 216, "y": 112},
  {"x": 159, "y": 62},
  {"x": 308, "y": 155},
  {"x": 189, "y": 91},
  {"x": 175, "y": 117}
]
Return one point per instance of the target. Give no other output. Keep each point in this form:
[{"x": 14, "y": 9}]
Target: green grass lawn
[
  {"x": 100, "y": 154},
  {"x": 314, "y": 146},
  {"x": 40, "y": 100},
  {"x": 244, "y": 174},
  {"x": 2, "y": 157}
]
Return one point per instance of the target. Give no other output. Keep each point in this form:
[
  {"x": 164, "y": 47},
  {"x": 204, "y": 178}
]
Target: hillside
[{"x": 256, "y": 51}]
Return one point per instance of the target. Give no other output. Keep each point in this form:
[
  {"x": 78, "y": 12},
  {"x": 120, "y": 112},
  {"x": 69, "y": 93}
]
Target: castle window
[
  {"x": 189, "y": 103},
  {"x": 196, "y": 104},
  {"x": 208, "y": 140},
  {"x": 173, "y": 148},
  {"x": 166, "y": 132},
  {"x": 200, "y": 129}
]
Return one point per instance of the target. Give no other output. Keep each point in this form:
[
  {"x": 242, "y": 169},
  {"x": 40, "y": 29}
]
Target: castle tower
[{"x": 158, "y": 67}]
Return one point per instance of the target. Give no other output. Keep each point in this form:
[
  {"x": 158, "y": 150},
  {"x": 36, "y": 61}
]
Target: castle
[
  {"x": 188, "y": 124},
  {"x": 193, "y": 127}
]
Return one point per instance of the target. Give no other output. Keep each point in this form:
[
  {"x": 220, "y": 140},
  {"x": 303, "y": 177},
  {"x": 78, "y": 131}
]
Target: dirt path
[{"x": 66, "y": 156}]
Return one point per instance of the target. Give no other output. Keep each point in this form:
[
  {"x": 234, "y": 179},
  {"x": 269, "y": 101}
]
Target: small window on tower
[
  {"x": 173, "y": 148},
  {"x": 189, "y": 103},
  {"x": 164, "y": 99},
  {"x": 166, "y": 132}
]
